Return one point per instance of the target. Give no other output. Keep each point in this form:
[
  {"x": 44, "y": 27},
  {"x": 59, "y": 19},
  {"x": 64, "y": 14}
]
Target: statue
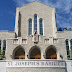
[{"x": 35, "y": 34}]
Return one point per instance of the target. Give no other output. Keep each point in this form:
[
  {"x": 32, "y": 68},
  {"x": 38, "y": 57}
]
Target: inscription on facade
[{"x": 35, "y": 64}]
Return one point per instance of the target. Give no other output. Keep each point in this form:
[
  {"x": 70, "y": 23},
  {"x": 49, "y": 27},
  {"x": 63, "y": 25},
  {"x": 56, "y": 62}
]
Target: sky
[{"x": 8, "y": 12}]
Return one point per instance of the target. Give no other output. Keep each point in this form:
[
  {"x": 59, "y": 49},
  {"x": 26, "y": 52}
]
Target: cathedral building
[{"x": 36, "y": 45}]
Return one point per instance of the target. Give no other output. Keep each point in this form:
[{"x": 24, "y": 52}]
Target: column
[
  {"x": 42, "y": 56},
  {"x": 16, "y": 21},
  {"x": 69, "y": 44},
  {"x": 58, "y": 56},
  {"x": 69, "y": 48},
  {"x": 26, "y": 56},
  {"x": 1, "y": 45},
  {"x": 51, "y": 40},
  {"x": 19, "y": 40}
]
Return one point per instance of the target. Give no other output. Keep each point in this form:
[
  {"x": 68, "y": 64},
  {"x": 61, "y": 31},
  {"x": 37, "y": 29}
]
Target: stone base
[
  {"x": 57, "y": 68},
  {"x": 35, "y": 70}
]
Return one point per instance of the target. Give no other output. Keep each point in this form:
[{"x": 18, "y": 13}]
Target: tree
[
  {"x": 71, "y": 53},
  {"x": 2, "y": 55}
]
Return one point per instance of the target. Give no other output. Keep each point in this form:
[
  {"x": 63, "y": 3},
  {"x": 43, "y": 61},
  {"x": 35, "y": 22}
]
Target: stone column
[
  {"x": 58, "y": 56},
  {"x": 16, "y": 21},
  {"x": 69, "y": 44},
  {"x": 19, "y": 40},
  {"x": 26, "y": 56},
  {"x": 51, "y": 40},
  {"x": 54, "y": 22},
  {"x": 42, "y": 55},
  {"x": 2, "y": 45}
]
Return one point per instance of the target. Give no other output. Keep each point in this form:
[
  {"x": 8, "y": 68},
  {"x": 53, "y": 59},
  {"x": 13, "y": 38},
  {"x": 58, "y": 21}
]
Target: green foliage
[
  {"x": 71, "y": 54},
  {"x": 2, "y": 54},
  {"x": 0, "y": 51}
]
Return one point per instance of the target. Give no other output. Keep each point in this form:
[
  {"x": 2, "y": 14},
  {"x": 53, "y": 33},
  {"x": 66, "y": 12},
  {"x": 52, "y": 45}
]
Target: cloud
[
  {"x": 63, "y": 10},
  {"x": 63, "y": 23},
  {"x": 21, "y": 2}
]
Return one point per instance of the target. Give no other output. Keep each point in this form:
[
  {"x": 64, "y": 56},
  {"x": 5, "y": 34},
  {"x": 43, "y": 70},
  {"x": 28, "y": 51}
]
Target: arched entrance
[
  {"x": 34, "y": 53},
  {"x": 19, "y": 53},
  {"x": 51, "y": 52}
]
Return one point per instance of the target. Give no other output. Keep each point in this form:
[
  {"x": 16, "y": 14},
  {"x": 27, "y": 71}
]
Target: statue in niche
[{"x": 35, "y": 35}]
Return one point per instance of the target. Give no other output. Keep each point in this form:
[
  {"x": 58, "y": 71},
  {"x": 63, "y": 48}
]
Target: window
[
  {"x": 71, "y": 49},
  {"x": 71, "y": 42},
  {"x": 67, "y": 48},
  {"x": 35, "y": 22},
  {"x": 4, "y": 46},
  {"x": 0, "y": 44},
  {"x": 35, "y": 25},
  {"x": 30, "y": 26},
  {"x": 41, "y": 26},
  {"x": 67, "y": 45}
]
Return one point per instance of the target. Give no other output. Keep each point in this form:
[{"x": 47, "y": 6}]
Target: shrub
[{"x": 2, "y": 55}]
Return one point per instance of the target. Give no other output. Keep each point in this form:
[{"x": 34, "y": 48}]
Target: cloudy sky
[{"x": 8, "y": 12}]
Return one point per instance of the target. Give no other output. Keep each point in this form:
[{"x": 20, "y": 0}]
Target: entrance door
[{"x": 51, "y": 53}]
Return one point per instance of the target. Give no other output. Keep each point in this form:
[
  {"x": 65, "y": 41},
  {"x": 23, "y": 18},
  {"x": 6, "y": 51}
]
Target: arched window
[
  {"x": 35, "y": 22},
  {"x": 67, "y": 47},
  {"x": 35, "y": 53},
  {"x": 51, "y": 53},
  {"x": 4, "y": 46},
  {"x": 0, "y": 44},
  {"x": 71, "y": 42},
  {"x": 19, "y": 53},
  {"x": 41, "y": 26},
  {"x": 30, "y": 26}
]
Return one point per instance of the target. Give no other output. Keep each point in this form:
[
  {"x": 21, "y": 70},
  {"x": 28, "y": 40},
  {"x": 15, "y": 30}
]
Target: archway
[
  {"x": 51, "y": 52},
  {"x": 34, "y": 53},
  {"x": 19, "y": 53}
]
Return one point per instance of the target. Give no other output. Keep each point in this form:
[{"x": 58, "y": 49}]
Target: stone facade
[
  {"x": 35, "y": 70},
  {"x": 20, "y": 38}
]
